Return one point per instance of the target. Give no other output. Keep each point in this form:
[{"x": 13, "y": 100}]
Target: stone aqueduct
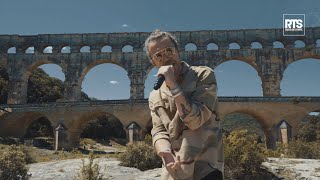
[{"x": 269, "y": 62}]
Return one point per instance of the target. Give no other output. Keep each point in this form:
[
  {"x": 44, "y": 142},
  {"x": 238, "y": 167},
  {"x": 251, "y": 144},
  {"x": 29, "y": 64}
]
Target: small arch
[
  {"x": 318, "y": 43},
  {"x": 85, "y": 49},
  {"x": 190, "y": 47},
  {"x": 299, "y": 44},
  {"x": 212, "y": 46},
  {"x": 234, "y": 46},
  {"x": 12, "y": 50},
  {"x": 48, "y": 50},
  {"x": 106, "y": 48},
  {"x": 278, "y": 44},
  {"x": 127, "y": 49},
  {"x": 256, "y": 45},
  {"x": 30, "y": 50},
  {"x": 66, "y": 49}
]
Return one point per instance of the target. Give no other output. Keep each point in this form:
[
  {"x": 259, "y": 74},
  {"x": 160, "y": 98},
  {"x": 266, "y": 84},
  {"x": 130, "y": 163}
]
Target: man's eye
[
  {"x": 159, "y": 55},
  {"x": 169, "y": 50}
]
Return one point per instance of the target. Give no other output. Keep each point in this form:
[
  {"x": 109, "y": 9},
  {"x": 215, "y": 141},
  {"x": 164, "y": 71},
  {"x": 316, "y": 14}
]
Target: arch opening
[
  {"x": 212, "y": 47},
  {"x": 103, "y": 128},
  {"x": 85, "y": 49},
  {"x": 318, "y": 43},
  {"x": 237, "y": 78},
  {"x": 127, "y": 49},
  {"x": 30, "y": 50},
  {"x": 301, "y": 78},
  {"x": 106, "y": 49},
  {"x": 190, "y": 47},
  {"x": 242, "y": 121},
  {"x": 277, "y": 45},
  {"x": 299, "y": 44},
  {"x": 4, "y": 82},
  {"x": 66, "y": 49},
  {"x": 12, "y": 50},
  {"x": 149, "y": 81},
  {"x": 106, "y": 81},
  {"x": 40, "y": 133},
  {"x": 45, "y": 84},
  {"x": 48, "y": 50},
  {"x": 234, "y": 46},
  {"x": 256, "y": 45}
]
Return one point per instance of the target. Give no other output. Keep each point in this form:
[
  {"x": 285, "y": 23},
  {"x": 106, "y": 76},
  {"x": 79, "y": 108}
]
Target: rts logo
[{"x": 293, "y": 24}]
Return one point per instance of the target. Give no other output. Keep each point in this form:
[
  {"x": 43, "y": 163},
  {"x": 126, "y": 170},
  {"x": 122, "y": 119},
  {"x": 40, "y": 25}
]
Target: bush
[
  {"x": 13, "y": 165},
  {"x": 91, "y": 170},
  {"x": 306, "y": 150},
  {"x": 243, "y": 155},
  {"x": 140, "y": 155}
]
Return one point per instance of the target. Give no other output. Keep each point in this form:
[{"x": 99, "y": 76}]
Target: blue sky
[{"x": 108, "y": 81}]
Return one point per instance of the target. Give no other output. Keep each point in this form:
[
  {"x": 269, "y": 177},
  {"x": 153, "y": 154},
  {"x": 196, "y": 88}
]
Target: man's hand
[
  {"x": 170, "y": 162},
  {"x": 169, "y": 75}
]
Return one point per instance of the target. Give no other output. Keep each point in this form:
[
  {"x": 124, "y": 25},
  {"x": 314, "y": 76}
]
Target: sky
[{"x": 109, "y": 81}]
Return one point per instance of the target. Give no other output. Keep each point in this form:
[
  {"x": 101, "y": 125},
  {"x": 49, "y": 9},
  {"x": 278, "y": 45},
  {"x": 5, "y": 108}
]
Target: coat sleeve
[
  {"x": 203, "y": 100},
  {"x": 158, "y": 129}
]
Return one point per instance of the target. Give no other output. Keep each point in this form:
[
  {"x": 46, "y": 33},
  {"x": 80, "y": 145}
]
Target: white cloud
[
  {"x": 125, "y": 25},
  {"x": 114, "y": 82}
]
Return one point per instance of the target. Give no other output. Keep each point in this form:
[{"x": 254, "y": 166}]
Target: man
[{"x": 186, "y": 129}]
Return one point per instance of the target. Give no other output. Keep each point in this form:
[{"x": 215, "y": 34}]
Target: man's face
[{"x": 163, "y": 52}]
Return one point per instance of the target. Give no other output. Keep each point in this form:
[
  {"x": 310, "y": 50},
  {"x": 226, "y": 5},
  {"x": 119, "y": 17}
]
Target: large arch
[
  {"x": 242, "y": 120},
  {"x": 149, "y": 81},
  {"x": 117, "y": 80},
  {"x": 56, "y": 79},
  {"x": 253, "y": 68},
  {"x": 301, "y": 78}
]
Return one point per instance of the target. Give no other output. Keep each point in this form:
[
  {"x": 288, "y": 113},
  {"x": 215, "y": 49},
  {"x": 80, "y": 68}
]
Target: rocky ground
[
  {"x": 284, "y": 168},
  {"x": 69, "y": 169},
  {"x": 289, "y": 168}
]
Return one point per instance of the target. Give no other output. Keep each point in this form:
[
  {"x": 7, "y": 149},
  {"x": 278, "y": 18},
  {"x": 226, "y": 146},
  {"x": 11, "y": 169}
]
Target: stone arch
[
  {"x": 250, "y": 62},
  {"x": 12, "y": 50},
  {"x": 318, "y": 43},
  {"x": 278, "y": 44},
  {"x": 85, "y": 49},
  {"x": 299, "y": 44},
  {"x": 311, "y": 59},
  {"x": 106, "y": 48},
  {"x": 256, "y": 45},
  {"x": 28, "y": 118},
  {"x": 234, "y": 45},
  {"x": 65, "y": 49},
  {"x": 80, "y": 124},
  {"x": 127, "y": 49},
  {"x": 190, "y": 47},
  {"x": 29, "y": 70},
  {"x": 96, "y": 63},
  {"x": 48, "y": 50},
  {"x": 30, "y": 50},
  {"x": 241, "y": 114},
  {"x": 212, "y": 46}
]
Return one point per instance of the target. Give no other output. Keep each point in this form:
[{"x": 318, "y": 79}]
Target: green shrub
[
  {"x": 13, "y": 165},
  {"x": 90, "y": 171},
  {"x": 140, "y": 155},
  {"x": 243, "y": 155},
  {"x": 306, "y": 150}
]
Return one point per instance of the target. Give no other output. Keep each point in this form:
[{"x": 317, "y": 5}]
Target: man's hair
[{"x": 158, "y": 34}]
